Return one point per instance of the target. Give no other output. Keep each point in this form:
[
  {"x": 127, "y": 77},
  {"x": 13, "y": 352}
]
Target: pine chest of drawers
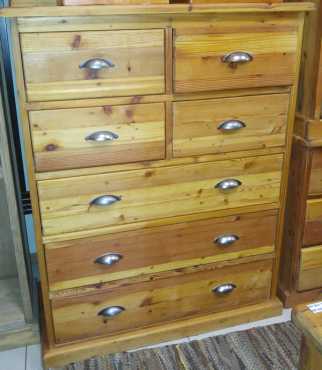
[{"x": 158, "y": 141}]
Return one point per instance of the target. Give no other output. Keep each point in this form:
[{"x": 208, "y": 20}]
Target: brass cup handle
[
  {"x": 100, "y": 136},
  {"x": 105, "y": 200},
  {"x": 226, "y": 240},
  {"x": 109, "y": 259},
  {"x": 231, "y": 125},
  {"x": 96, "y": 64},
  {"x": 237, "y": 57},
  {"x": 224, "y": 289},
  {"x": 228, "y": 185},
  {"x": 111, "y": 311}
]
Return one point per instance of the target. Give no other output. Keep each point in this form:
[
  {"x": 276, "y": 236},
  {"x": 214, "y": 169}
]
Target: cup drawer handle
[
  {"x": 224, "y": 289},
  {"x": 237, "y": 57},
  {"x": 231, "y": 125},
  {"x": 96, "y": 64},
  {"x": 105, "y": 200},
  {"x": 226, "y": 240},
  {"x": 109, "y": 259},
  {"x": 100, "y": 136},
  {"x": 228, "y": 184},
  {"x": 111, "y": 311}
]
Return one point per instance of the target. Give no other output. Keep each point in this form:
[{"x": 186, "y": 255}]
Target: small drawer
[
  {"x": 313, "y": 223},
  {"x": 127, "y": 306},
  {"x": 96, "y": 201},
  {"x": 123, "y": 255},
  {"x": 241, "y": 56},
  {"x": 230, "y": 124},
  {"x": 315, "y": 182},
  {"x": 91, "y": 64},
  {"x": 84, "y": 137},
  {"x": 310, "y": 275}
]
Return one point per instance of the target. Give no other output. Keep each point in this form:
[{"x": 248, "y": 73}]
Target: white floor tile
[
  {"x": 15, "y": 359},
  {"x": 34, "y": 358}
]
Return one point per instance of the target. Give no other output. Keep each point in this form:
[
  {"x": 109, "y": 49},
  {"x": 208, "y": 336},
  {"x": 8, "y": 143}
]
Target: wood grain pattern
[
  {"x": 315, "y": 187},
  {"x": 310, "y": 275},
  {"x": 52, "y": 60},
  {"x": 152, "y": 194},
  {"x": 161, "y": 300},
  {"x": 58, "y": 136},
  {"x": 199, "y": 66},
  {"x": 313, "y": 223},
  {"x": 196, "y": 124},
  {"x": 112, "y": 2},
  {"x": 71, "y": 264}
]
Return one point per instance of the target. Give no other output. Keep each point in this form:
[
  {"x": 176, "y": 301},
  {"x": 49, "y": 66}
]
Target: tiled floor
[
  {"x": 24, "y": 358},
  {"x": 28, "y": 358}
]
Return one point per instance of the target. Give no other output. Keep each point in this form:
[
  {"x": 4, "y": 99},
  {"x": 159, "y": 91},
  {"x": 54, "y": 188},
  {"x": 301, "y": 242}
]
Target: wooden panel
[
  {"x": 156, "y": 193},
  {"x": 52, "y": 60},
  {"x": 58, "y": 136},
  {"x": 112, "y": 2},
  {"x": 199, "y": 65},
  {"x": 310, "y": 274},
  {"x": 71, "y": 264},
  {"x": 315, "y": 186},
  {"x": 160, "y": 301},
  {"x": 196, "y": 124},
  {"x": 313, "y": 223}
]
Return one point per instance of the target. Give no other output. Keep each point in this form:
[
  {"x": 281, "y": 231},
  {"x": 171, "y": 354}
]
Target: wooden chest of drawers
[{"x": 158, "y": 141}]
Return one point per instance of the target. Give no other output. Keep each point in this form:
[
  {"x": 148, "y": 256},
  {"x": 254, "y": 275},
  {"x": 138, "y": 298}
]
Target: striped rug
[{"x": 274, "y": 347}]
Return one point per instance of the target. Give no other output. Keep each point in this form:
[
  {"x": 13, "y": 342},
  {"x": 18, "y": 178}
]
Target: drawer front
[
  {"x": 75, "y": 65},
  {"x": 231, "y": 124},
  {"x": 123, "y": 255},
  {"x": 142, "y": 304},
  {"x": 310, "y": 275},
  {"x": 315, "y": 184},
  {"x": 313, "y": 223},
  {"x": 90, "y": 202},
  {"x": 83, "y": 137},
  {"x": 240, "y": 57}
]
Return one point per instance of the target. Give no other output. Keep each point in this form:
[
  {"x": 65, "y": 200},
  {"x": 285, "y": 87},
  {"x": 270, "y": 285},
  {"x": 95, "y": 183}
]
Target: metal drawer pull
[
  {"x": 96, "y": 64},
  {"x": 231, "y": 125},
  {"x": 109, "y": 259},
  {"x": 111, "y": 311},
  {"x": 237, "y": 57},
  {"x": 105, "y": 200},
  {"x": 225, "y": 240},
  {"x": 100, "y": 136},
  {"x": 228, "y": 184},
  {"x": 224, "y": 289}
]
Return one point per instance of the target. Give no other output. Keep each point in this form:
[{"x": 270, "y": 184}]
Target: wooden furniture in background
[
  {"x": 16, "y": 316},
  {"x": 300, "y": 275},
  {"x": 310, "y": 324},
  {"x": 156, "y": 219}
]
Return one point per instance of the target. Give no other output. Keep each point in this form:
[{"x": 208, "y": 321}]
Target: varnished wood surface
[
  {"x": 72, "y": 264},
  {"x": 313, "y": 223},
  {"x": 310, "y": 275},
  {"x": 62, "y": 355},
  {"x": 157, "y": 301},
  {"x": 199, "y": 65},
  {"x": 156, "y": 9},
  {"x": 196, "y": 124},
  {"x": 59, "y": 136},
  {"x": 156, "y": 193},
  {"x": 52, "y": 64},
  {"x": 315, "y": 187}
]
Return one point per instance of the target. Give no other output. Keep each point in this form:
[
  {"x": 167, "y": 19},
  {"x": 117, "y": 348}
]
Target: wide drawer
[
  {"x": 123, "y": 255},
  {"x": 231, "y": 124},
  {"x": 315, "y": 182},
  {"x": 130, "y": 306},
  {"x": 243, "y": 56},
  {"x": 310, "y": 274},
  {"x": 89, "y": 64},
  {"x": 89, "y": 202},
  {"x": 313, "y": 223},
  {"x": 83, "y": 137}
]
